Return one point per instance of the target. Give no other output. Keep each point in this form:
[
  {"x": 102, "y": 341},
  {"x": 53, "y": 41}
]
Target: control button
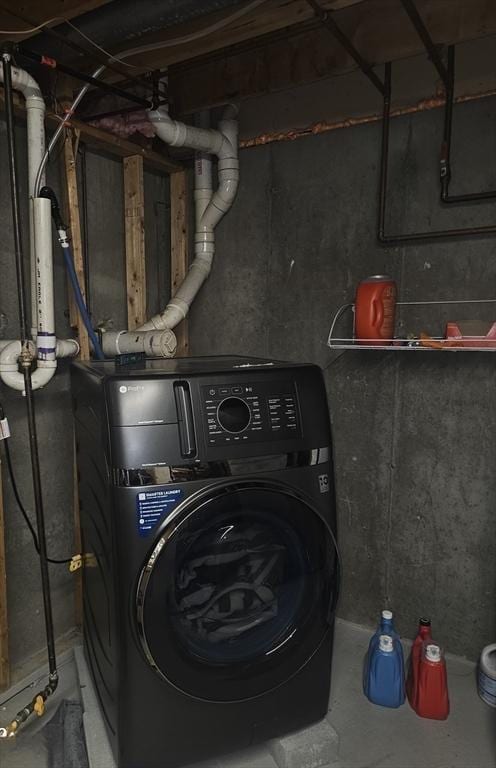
[
  {"x": 233, "y": 414},
  {"x": 224, "y": 391},
  {"x": 237, "y": 390},
  {"x": 211, "y": 392}
]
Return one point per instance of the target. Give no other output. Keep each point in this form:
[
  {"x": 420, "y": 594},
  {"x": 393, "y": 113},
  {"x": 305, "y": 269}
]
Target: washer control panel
[{"x": 244, "y": 413}]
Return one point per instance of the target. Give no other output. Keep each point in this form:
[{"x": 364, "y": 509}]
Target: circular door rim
[{"x": 171, "y": 528}]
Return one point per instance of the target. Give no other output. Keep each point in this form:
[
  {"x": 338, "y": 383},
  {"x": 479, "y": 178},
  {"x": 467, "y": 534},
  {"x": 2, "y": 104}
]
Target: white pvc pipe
[
  {"x": 42, "y": 299},
  {"x": 153, "y": 343},
  {"x": 64, "y": 347},
  {"x": 209, "y": 208},
  {"x": 45, "y": 310},
  {"x": 35, "y": 113},
  {"x": 9, "y": 369}
]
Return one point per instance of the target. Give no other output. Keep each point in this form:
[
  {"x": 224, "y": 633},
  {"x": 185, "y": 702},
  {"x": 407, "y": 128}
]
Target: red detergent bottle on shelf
[
  {"x": 432, "y": 687},
  {"x": 423, "y": 636}
]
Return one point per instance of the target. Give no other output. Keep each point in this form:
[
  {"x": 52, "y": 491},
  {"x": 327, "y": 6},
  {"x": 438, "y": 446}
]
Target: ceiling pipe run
[{"x": 210, "y": 206}]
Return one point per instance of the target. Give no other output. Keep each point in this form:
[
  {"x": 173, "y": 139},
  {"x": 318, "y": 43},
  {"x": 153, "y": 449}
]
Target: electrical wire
[
  {"x": 23, "y": 511},
  {"x": 60, "y": 128},
  {"x": 17, "y": 497},
  {"x": 110, "y": 56},
  {"x": 32, "y": 29},
  {"x": 218, "y": 25}
]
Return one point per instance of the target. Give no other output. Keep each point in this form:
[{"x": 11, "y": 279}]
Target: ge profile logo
[{"x": 131, "y": 388}]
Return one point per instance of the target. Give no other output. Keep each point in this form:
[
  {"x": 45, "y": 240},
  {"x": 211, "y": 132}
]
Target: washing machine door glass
[{"x": 236, "y": 596}]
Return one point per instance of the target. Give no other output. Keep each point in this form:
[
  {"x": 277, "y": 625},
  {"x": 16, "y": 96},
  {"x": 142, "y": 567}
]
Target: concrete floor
[{"x": 369, "y": 736}]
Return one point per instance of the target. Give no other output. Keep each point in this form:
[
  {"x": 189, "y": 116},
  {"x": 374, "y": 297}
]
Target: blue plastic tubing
[{"x": 69, "y": 263}]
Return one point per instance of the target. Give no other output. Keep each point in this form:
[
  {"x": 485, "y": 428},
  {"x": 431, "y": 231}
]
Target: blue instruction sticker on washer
[{"x": 151, "y": 506}]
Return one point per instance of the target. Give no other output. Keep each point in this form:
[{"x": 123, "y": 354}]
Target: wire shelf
[{"x": 423, "y": 344}]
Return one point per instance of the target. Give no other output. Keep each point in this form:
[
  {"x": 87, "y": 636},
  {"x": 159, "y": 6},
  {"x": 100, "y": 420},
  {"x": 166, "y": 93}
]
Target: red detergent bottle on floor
[
  {"x": 432, "y": 687},
  {"x": 423, "y": 636}
]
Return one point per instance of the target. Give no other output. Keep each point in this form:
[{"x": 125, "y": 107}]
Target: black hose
[
  {"x": 17, "y": 496},
  {"x": 26, "y": 362}
]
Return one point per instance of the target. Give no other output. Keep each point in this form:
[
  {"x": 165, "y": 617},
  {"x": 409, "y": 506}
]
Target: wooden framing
[
  {"x": 134, "y": 219},
  {"x": 73, "y": 219},
  {"x": 4, "y": 627},
  {"x": 273, "y": 15},
  {"x": 70, "y": 187},
  {"x": 380, "y": 29},
  {"x": 179, "y": 252}
]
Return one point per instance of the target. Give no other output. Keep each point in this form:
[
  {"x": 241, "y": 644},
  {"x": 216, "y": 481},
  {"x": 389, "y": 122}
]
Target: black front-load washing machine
[{"x": 210, "y": 566}]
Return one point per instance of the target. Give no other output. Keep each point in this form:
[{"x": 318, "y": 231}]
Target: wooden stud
[
  {"x": 4, "y": 627},
  {"x": 134, "y": 217},
  {"x": 70, "y": 187},
  {"x": 179, "y": 248},
  {"x": 72, "y": 208}
]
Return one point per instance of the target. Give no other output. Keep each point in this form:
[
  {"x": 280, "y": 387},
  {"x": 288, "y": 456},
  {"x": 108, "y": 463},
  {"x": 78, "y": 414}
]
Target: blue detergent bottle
[
  {"x": 385, "y": 684},
  {"x": 385, "y": 627}
]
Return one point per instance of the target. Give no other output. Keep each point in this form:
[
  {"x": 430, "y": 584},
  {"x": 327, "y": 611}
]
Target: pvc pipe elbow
[
  {"x": 27, "y": 85},
  {"x": 67, "y": 348},
  {"x": 13, "y": 378},
  {"x": 10, "y": 355}
]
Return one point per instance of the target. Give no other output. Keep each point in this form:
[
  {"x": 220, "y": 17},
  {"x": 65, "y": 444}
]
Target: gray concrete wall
[
  {"x": 54, "y": 420},
  {"x": 413, "y": 432}
]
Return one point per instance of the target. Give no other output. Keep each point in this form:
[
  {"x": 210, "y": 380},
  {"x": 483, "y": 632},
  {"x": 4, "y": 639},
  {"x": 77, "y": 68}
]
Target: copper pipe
[{"x": 435, "y": 102}]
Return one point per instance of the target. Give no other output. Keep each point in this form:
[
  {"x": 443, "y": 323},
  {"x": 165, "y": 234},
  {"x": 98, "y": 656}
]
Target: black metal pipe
[
  {"x": 26, "y": 362},
  {"x": 427, "y": 40},
  {"x": 326, "y": 18},
  {"x": 112, "y": 113},
  {"x": 101, "y": 84},
  {"x": 413, "y": 237},
  {"x": 445, "y": 161},
  {"x": 14, "y": 182},
  {"x": 386, "y": 120}
]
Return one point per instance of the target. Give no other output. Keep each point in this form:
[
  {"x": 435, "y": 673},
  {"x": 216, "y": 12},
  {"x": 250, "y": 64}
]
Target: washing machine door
[{"x": 238, "y": 592}]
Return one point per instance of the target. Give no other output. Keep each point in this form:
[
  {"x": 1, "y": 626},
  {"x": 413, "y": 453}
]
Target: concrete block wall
[{"x": 413, "y": 432}]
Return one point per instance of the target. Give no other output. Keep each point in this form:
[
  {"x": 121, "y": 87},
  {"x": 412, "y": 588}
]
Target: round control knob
[{"x": 233, "y": 414}]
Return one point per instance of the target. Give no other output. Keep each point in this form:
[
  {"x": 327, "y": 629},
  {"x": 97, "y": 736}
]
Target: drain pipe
[
  {"x": 47, "y": 347},
  {"x": 38, "y": 701},
  {"x": 35, "y": 112},
  {"x": 155, "y": 337},
  {"x": 210, "y": 208}
]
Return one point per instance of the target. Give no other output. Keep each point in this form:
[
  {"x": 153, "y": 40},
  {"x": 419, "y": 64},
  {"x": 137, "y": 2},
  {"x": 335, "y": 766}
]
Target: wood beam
[
  {"x": 179, "y": 248},
  {"x": 103, "y": 141},
  {"x": 71, "y": 201},
  {"x": 272, "y": 15},
  {"x": 72, "y": 216},
  {"x": 111, "y": 144},
  {"x": 14, "y": 15},
  {"x": 380, "y": 30},
  {"x": 4, "y": 625},
  {"x": 134, "y": 219}
]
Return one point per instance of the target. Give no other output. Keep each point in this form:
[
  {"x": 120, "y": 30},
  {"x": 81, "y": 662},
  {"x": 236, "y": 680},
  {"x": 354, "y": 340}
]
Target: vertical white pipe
[
  {"x": 45, "y": 328},
  {"x": 42, "y": 300},
  {"x": 36, "y": 150}
]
